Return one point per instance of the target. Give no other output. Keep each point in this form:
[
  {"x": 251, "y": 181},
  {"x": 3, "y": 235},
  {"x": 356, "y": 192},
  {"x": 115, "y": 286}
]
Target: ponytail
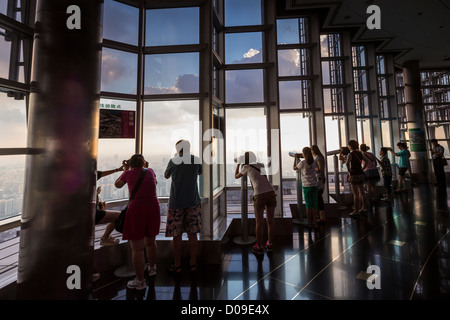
[{"x": 308, "y": 155}]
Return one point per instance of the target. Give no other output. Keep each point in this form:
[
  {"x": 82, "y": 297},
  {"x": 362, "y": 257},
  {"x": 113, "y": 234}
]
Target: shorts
[
  {"x": 269, "y": 199},
  {"x": 372, "y": 175},
  {"x": 184, "y": 220},
  {"x": 99, "y": 215},
  {"x": 357, "y": 179},
  {"x": 143, "y": 219},
  {"x": 402, "y": 171},
  {"x": 311, "y": 195}
]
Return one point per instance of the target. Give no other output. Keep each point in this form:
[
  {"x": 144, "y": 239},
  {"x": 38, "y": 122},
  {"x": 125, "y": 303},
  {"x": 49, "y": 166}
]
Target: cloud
[
  {"x": 288, "y": 62},
  {"x": 113, "y": 68},
  {"x": 251, "y": 53},
  {"x": 13, "y": 127},
  {"x": 244, "y": 86},
  {"x": 186, "y": 83}
]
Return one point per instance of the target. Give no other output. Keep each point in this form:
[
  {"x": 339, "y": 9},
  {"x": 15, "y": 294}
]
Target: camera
[{"x": 296, "y": 154}]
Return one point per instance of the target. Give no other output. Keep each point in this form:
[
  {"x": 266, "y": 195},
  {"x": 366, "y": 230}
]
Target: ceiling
[{"x": 413, "y": 29}]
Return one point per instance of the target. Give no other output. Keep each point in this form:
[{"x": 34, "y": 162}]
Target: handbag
[
  {"x": 444, "y": 161},
  {"x": 120, "y": 221}
]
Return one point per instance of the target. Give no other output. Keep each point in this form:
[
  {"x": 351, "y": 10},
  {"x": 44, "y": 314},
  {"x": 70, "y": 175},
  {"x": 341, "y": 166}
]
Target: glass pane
[
  {"x": 289, "y": 63},
  {"x": 244, "y": 86},
  {"x": 12, "y": 171},
  {"x": 242, "y": 13},
  {"x": 14, "y": 14},
  {"x": 243, "y": 47},
  {"x": 386, "y": 134},
  {"x": 11, "y": 53},
  {"x": 111, "y": 153},
  {"x": 172, "y": 26},
  {"x": 294, "y": 137},
  {"x": 119, "y": 71},
  {"x": 324, "y": 46},
  {"x": 166, "y": 122},
  {"x": 13, "y": 125},
  {"x": 246, "y": 131},
  {"x": 5, "y": 51},
  {"x": 332, "y": 72},
  {"x": 172, "y": 73},
  {"x": 294, "y": 94},
  {"x": 120, "y": 22},
  {"x": 332, "y": 139},
  {"x": 287, "y": 31}
]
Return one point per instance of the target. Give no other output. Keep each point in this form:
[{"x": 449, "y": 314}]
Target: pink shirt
[{"x": 147, "y": 190}]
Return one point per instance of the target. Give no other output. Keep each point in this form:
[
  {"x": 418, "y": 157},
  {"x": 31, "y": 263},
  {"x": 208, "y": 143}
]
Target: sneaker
[
  {"x": 152, "y": 271},
  {"x": 108, "y": 242},
  {"x": 136, "y": 284},
  {"x": 258, "y": 250},
  {"x": 269, "y": 246}
]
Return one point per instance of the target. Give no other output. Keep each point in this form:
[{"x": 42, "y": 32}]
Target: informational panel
[
  {"x": 417, "y": 140},
  {"x": 117, "y": 124}
]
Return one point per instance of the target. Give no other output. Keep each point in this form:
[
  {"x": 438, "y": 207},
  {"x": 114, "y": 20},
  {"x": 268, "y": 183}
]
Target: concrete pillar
[
  {"x": 416, "y": 121},
  {"x": 56, "y": 240}
]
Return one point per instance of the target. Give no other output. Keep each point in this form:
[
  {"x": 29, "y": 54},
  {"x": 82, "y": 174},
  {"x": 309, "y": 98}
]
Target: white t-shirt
[
  {"x": 308, "y": 173},
  {"x": 259, "y": 181}
]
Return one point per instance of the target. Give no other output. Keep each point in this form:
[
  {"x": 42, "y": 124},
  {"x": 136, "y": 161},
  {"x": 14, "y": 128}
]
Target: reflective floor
[{"x": 409, "y": 241}]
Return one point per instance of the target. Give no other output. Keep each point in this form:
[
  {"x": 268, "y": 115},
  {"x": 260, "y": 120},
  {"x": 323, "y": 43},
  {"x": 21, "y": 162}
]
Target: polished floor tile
[{"x": 409, "y": 241}]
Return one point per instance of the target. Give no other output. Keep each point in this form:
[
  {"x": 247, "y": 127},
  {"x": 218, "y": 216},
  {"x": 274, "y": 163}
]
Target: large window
[
  {"x": 243, "y": 48},
  {"x": 15, "y": 62},
  {"x": 112, "y": 151},
  {"x": 166, "y": 122},
  {"x": 175, "y": 26},
  {"x": 119, "y": 71},
  {"x": 13, "y": 130},
  {"x": 244, "y": 86},
  {"x": 246, "y": 131},
  {"x": 121, "y": 22},
  {"x": 172, "y": 73},
  {"x": 242, "y": 13},
  {"x": 332, "y": 73}
]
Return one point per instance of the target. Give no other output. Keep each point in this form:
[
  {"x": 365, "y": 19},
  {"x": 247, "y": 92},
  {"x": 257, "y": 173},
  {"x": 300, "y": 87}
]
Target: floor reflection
[{"x": 408, "y": 239}]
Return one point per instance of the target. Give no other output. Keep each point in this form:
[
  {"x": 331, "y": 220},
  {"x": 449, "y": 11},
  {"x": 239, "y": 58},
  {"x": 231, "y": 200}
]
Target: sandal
[
  {"x": 175, "y": 269},
  {"x": 320, "y": 220},
  {"x": 194, "y": 267}
]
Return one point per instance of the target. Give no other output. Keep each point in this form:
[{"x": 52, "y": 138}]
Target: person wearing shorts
[
  {"x": 403, "y": 165},
  {"x": 354, "y": 161},
  {"x": 309, "y": 183},
  {"x": 264, "y": 198},
  {"x": 184, "y": 208}
]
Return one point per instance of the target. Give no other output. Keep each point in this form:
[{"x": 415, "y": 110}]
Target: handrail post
[{"x": 244, "y": 238}]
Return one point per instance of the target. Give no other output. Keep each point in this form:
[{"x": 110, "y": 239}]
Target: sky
[
  {"x": 178, "y": 73},
  {"x": 174, "y": 73}
]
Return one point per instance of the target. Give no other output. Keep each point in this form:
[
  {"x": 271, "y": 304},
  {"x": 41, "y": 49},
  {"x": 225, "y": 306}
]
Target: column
[
  {"x": 206, "y": 117},
  {"x": 375, "y": 118},
  {"x": 56, "y": 238},
  {"x": 271, "y": 92},
  {"x": 416, "y": 121},
  {"x": 352, "y": 133}
]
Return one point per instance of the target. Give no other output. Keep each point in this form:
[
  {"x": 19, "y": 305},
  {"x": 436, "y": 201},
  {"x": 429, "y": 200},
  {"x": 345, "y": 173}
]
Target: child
[
  {"x": 386, "y": 172},
  {"x": 309, "y": 183},
  {"x": 403, "y": 166},
  {"x": 264, "y": 198}
]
